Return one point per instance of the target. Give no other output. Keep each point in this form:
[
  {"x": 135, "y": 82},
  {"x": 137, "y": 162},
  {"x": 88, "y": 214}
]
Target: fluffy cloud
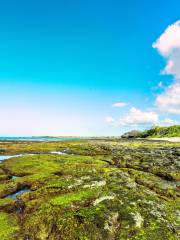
[
  {"x": 135, "y": 117},
  {"x": 110, "y": 120},
  {"x": 168, "y": 122},
  {"x": 169, "y": 40},
  {"x": 138, "y": 117},
  {"x": 169, "y": 101},
  {"x": 173, "y": 65},
  {"x": 119, "y": 104},
  {"x": 168, "y": 46}
]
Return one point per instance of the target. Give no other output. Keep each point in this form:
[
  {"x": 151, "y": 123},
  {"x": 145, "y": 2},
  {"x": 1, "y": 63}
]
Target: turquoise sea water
[{"x": 37, "y": 138}]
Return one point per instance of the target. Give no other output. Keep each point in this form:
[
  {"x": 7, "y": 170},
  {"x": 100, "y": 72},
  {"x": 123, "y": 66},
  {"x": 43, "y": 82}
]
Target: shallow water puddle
[
  {"x": 18, "y": 193},
  {"x": 58, "y": 152},
  {"x": 14, "y": 177},
  {"x": 2, "y": 158}
]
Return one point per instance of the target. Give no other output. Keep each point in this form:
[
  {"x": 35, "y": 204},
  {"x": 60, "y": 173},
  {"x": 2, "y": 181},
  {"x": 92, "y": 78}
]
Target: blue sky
[{"x": 64, "y": 63}]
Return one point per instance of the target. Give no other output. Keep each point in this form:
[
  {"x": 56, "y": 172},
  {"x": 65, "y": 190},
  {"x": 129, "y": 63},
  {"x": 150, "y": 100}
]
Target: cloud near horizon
[
  {"x": 168, "y": 122},
  {"x": 120, "y": 104},
  {"x": 168, "y": 101},
  {"x": 134, "y": 117},
  {"x": 168, "y": 45}
]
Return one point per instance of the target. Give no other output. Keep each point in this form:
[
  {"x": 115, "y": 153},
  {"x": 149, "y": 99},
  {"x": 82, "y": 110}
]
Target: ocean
[{"x": 37, "y": 138}]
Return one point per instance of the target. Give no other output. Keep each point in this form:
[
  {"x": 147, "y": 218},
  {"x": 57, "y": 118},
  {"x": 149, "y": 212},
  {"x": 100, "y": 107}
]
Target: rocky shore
[{"x": 97, "y": 189}]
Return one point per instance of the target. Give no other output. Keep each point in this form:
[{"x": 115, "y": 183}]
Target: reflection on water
[
  {"x": 14, "y": 177},
  {"x": 58, "y": 152},
  {"x": 37, "y": 138},
  {"x": 2, "y": 158},
  {"x": 18, "y": 193}
]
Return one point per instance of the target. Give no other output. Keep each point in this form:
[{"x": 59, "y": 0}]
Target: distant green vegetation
[
  {"x": 155, "y": 132},
  {"x": 172, "y": 131}
]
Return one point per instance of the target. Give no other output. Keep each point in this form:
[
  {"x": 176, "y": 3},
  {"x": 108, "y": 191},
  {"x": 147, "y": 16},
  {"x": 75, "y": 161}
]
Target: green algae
[
  {"x": 8, "y": 226},
  {"x": 69, "y": 198},
  {"x": 110, "y": 189}
]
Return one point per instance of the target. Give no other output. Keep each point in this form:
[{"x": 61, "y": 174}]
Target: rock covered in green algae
[
  {"x": 8, "y": 226},
  {"x": 110, "y": 190}
]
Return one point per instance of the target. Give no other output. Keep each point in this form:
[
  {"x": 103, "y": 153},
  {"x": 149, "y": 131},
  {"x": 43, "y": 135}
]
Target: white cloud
[
  {"x": 169, "y": 40},
  {"x": 138, "y": 117},
  {"x": 119, "y": 104},
  {"x": 135, "y": 117},
  {"x": 168, "y": 122},
  {"x": 109, "y": 120},
  {"x": 168, "y": 46},
  {"x": 173, "y": 65},
  {"x": 169, "y": 100}
]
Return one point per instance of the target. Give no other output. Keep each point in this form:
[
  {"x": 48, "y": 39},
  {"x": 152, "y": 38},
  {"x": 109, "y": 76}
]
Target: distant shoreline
[
  {"x": 71, "y": 138},
  {"x": 169, "y": 139}
]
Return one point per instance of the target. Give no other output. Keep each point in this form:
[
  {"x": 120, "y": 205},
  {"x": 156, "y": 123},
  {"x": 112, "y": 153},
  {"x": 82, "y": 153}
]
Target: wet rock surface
[{"x": 108, "y": 189}]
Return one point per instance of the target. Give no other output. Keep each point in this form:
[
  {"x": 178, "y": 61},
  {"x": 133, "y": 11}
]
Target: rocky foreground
[{"x": 97, "y": 189}]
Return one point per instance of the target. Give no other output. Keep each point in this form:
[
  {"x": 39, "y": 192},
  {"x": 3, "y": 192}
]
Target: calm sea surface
[{"x": 37, "y": 138}]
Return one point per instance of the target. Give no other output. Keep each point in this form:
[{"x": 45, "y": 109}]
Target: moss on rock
[{"x": 109, "y": 189}]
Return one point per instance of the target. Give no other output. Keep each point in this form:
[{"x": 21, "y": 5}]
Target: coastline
[{"x": 169, "y": 139}]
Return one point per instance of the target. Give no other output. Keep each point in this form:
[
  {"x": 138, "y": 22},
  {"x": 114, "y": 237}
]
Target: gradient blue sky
[{"x": 64, "y": 63}]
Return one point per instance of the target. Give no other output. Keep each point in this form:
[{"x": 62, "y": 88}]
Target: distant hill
[{"x": 155, "y": 132}]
